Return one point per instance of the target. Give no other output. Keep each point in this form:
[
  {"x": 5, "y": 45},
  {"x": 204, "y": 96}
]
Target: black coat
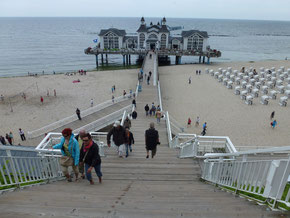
[
  {"x": 151, "y": 138},
  {"x": 130, "y": 139},
  {"x": 119, "y": 136},
  {"x": 134, "y": 114},
  {"x": 93, "y": 158},
  {"x": 146, "y": 108}
]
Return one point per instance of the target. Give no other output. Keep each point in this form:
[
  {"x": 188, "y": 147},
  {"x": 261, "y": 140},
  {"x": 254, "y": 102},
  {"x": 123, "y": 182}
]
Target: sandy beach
[
  {"x": 31, "y": 114},
  {"x": 225, "y": 113}
]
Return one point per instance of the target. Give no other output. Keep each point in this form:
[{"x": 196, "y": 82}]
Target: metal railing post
[{"x": 14, "y": 172}]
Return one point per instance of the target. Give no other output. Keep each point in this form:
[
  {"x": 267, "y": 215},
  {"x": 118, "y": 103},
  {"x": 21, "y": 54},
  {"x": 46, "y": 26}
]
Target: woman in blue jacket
[{"x": 70, "y": 150}]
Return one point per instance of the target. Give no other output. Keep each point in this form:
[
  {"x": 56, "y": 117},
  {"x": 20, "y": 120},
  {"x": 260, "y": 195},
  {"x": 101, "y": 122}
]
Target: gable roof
[
  {"x": 142, "y": 28},
  {"x": 175, "y": 37},
  {"x": 113, "y": 30},
  {"x": 191, "y": 32},
  {"x": 164, "y": 29}
]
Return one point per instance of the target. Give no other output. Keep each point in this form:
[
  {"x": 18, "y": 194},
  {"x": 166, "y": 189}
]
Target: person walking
[
  {"x": 113, "y": 99},
  {"x": 204, "y": 127},
  {"x": 2, "y": 140},
  {"x": 92, "y": 102},
  {"x": 54, "y": 93},
  {"x": 153, "y": 109},
  {"x": 272, "y": 115},
  {"x": 147, "y": 109},
  {"x": 158, "y": 116},
  {"x": 189, "y": 122},
  {"x": 78, "y": 112},
  {"x": 8, "y": 139},
  {"x": 134, "y": 114},
  {"x": 129, "y": 141},
  {"x": 127, "y": 123},
  {"x": 124, "y": 93},
  {"x": 119, "y": 137},
  {"x": 197, "y": 121},
  {"x": 89, "y": 156},
  {"x": 12, "y": 137},
  {"x": 273, "y": 124},
  {"x": 70, "y": 153},
  {"x": 22, "y": 135},
  {"x": 79, "y": 138},
  {"x": 148, "y": 80},
  {"x": 189, "y": 80},
  {"x": 151, "y": 140},
  {"x": 134, "y": 103},
  {"x": 41, "y": 99}
]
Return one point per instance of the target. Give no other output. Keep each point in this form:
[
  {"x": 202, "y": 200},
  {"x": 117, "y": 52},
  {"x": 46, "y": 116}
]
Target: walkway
[{"x": 164, "y": 186}]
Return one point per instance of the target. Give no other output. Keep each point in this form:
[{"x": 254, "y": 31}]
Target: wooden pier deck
[{"x": 164, "y": 186}]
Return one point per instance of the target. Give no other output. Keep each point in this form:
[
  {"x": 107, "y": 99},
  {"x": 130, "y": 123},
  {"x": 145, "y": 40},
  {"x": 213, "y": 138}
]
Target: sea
[{"x": 46, "y": 45}]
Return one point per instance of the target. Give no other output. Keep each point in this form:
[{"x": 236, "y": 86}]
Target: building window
[
  {"x": 194, "y": 43},
  {"x": 141, "y": 40},
  {"x": 163, "y": 41},
  {"x": 111, "y": 40}
]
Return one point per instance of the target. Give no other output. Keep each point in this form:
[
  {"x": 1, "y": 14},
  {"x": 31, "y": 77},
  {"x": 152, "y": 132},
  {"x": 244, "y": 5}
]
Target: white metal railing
[
  {"x": 62, "y": 122},
  {"x": 155, "y": 69},
  {"x": 23, "y": 171}
]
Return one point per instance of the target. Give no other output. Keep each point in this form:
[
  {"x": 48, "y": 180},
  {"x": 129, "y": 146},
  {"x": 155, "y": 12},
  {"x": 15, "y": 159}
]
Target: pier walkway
[{"x": 164, "y": 186}]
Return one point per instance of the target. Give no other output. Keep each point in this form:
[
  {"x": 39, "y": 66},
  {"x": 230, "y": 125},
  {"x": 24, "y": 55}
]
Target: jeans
[
  {"x": 97, "y": 169},
  {"x": 127, "y": 149}
]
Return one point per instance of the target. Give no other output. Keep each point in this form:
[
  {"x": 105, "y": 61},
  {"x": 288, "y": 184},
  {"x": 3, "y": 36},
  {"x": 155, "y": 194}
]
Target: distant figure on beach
[
  {"x": 150, "y": 73},
  {"x": 113, "y": 98},
  {"x": 54, "y": 93},
  {"x": 134, "y": 115},
  {"x": 189, "y": 80},
  {"x": 243, "y": 70},
  {"x": 47, "y": 93},
  {"x": 78, "y": 112},
  {"x": 131, "y": 92},
  {"x": 8, "y": 139},
  {"x": 189, "y": 122},
  {"x": 2, "y": 140},
  {"x": 112, "y": 89},
  {"x": 12, "y": 137},
  {"x": 197, "y": 121},
  {"x": 151, "y": 140},
  {"x": 124, "y": 93},
  {"x": 43, "y": 72},
  {"x": 41, "y": 99},
  {"x": 199, "y": 72},
  {"x": 92, "y": 102},
  {"x": 272, "y": 115},
  {"x": 204, "y": 127},
  {"x": 148, "y": 80},
  {"x": 273, "y": 124},
  {"x": 196, "y": 72},
  {"x": 22, "y": 135},
  {"x": 255, "y": 72},
  {"x": 2, "y": 97},
  {"x": 146, "y": 109},
  {"x": 134, "y": 103}
]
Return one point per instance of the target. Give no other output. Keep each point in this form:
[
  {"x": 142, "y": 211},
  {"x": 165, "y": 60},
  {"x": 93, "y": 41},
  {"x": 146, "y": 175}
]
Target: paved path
[{"x": 164, "y": 186}]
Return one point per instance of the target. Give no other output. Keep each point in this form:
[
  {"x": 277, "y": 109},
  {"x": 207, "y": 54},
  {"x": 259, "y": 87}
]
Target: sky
[{"x": 219, "y": 9}]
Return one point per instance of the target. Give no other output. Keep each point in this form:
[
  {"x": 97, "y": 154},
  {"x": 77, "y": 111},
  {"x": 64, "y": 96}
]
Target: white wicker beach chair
[
  {"x": 232, "y": 78},
  {"x": 283, "y": 101},
  {"x": 287, "y": 93},
  {"x": 206, "y": 70},
  {"x": 262, "y": 69},
  {"x": 211, "y": 72},
  {"x": 238, "y": 81},
  {"x": 230, "y": 69},
  {"x": 249, "y": 100},
  {"x": 237, "y": 90},
  {"x": 225, "y": 81},
  {"x": 273, "y": 94},
  {"x": 288, "y": 87},
  {"x": 246, "y": 78},
  {"x": 255, "y": 92},
  {"x": 244, "y": 94},
  {"x": 230, "y": 85},
  {"x": 258, "y": 85},
  {"x": 270, "y": 84},
  {"x": 281, "y": 89},
  {"x": 257, "y": 77},
  {"x": 216, "y": 75},
  {"x": 279, "y": 82},
  {"x": 220, "y": 78},
  {"x": 265, "y": 99},
  {"x": 252, "y": 82},
  {"x": 265, "y": 89},
  {"x": 244, "y": 84},
  {"x": 236, "y": 72},
  {"x": 249, "y": 88},
  {"x": 262, "y": 81}
]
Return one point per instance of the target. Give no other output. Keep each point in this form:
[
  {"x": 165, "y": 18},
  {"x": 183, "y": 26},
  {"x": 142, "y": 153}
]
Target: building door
[{"x": 152, "y": 46}]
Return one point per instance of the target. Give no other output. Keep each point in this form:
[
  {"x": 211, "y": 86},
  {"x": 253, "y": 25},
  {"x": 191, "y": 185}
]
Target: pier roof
[
  {"x": 114, "y": 30},
  {"x": 190, "y": 32}
]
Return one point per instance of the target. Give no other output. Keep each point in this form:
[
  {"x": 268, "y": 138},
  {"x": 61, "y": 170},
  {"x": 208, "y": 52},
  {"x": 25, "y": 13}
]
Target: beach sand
[
  {"x": 225, "y": 113},
  {"x": 30, "y": 114}
]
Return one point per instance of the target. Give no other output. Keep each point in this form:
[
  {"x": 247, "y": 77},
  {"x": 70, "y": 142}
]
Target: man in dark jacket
[
  {"x": 134, "y": 115},
  {"x": 127, "y": 123},
  {"x": 151, "y": 140},
  {"x": 129, "y": 141},
  {"x": 78, "y": 112},
  {"x": 89, "y": 155},
  {"x": 147, "y": 109},
  {"x": 119, "y": 137}
]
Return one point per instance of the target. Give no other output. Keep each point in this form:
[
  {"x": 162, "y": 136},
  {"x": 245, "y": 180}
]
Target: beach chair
[
  {"x": 282, "y": 77},
  {"x": 274, "y": 80},
  {"x": 288, "y": 80},
  {"x": 228, "y": 74},
  {"x": 238, "y": 81},
  {"x": 237, "y": 90},
  {"x": 262, "y": 81},
  {"x": 282, "y": 68},
  {"x": 252, "y": 82},
  {"x": 273, "y": 69},
  {"x": 288, "y": 87},
  {"x": 240, "y": 75},
  {"x": 220, "y": 70},
  {"x": 286, "y": 75},
  {"x": 251, "y": 74},
  {"x": 262, "y": 69},
  {"x": 257, "y": 77},
  {"x": 249, "y": 100},
  {"x": 265, "y": 99},
  {"x": 244, "y": 94},
  {"x": 283, "y": 101},
  {"x": 270, "y": 84},
  {"x": 262, "y": 75},
  {"x": 273, "y": 94},
  {"x": 236, "y": 72},
  {"x": 268, "y": 77},
  {"x": 230, "y": 85},
  {"x": 249, "y": 88},
  {"x": 258, "y": 85},
  {"x": 287, "y": 93},
  {"x": 251, "y": 69},
  {"x": 265, "y": 89},
  {"x": 225, "y": 81},
  {"x": 279, "y": 82},
  {"x": 288, "y": 70},
  {"x": 281, "y": 89},
  {"x": 274, "y": 74},
  {"x": 246, "y": 78},
  {"x": 244, "y": 84},
  {"x": 232, "y": 78},
  {"x": 224, "y": 72},
  {"x": 255, "y": 92},
  {"x": 220, "y": 78},
  {"x": 211, "y": 72},
  {"x": 230, "y": 69},
  {"x": 279, "y": 72},
  {"x": 216, "y": 75},
  {"x": 206, "y": 70}
]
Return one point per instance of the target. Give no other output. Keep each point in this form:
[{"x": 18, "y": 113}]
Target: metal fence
[{"x": 18, "y": 171}]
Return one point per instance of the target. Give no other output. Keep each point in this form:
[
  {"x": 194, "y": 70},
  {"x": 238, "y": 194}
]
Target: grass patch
[{"x": 116, "y": 67}]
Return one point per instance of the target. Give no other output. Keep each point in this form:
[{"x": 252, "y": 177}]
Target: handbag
[{"x": 67, "y": 161}]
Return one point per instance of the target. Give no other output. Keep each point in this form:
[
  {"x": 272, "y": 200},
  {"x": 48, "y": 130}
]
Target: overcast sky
[{"x": 223, "y": 9}]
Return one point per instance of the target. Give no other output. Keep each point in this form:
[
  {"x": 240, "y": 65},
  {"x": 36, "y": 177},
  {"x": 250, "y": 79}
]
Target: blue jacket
[{"x": 72, "y": 145}]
